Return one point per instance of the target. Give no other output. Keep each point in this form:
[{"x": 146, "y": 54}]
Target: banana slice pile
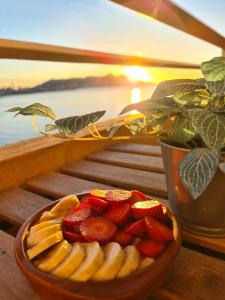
[{"x": 78, "y": 261}]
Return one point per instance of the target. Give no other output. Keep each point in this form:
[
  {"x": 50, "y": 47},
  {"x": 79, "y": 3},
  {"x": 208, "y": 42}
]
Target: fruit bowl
[{"x": 138, "y": 285}]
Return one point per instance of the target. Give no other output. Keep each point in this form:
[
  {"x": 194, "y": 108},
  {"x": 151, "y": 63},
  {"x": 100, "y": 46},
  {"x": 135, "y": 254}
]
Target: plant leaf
[
  {"x": 50, "y": 127},
  {"x": 171, "y": 87},
  {"x": 200, "y": 97},
  {"x": 73, "y": 124},
  {"x": 210, "y": 126},
  {"x": 18, "y": 108},
  {"x": 183, "y": 130},
  {"x": 217, "y": 88},
  {"x": 222, "y": 166},
  {"x": 35, "y": 109},
  {"x": 214, "y": 69},
  {"x": 218, "y": 104},
  {"x": 197, "y": 169}
]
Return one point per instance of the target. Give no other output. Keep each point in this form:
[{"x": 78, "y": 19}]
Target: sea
[{"x": 66, "y": 103}]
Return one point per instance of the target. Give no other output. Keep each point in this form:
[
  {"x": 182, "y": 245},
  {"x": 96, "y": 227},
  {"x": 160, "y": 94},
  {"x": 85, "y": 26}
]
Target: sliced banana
[
  {"x": 61, "y": 209},
  {"x": 131, "y": 262},
  {"x": 54, "y": 257},
  {"x": 92, "y": 262},
  {"x": 114, "y": 257},
  {"x": 71, "y": 262},
  {"x": 42, "y": 225},
  {"x": 35, "y": 237},
  {"x": 147, "y": 261},
  {"x": 44, "y": 244}
]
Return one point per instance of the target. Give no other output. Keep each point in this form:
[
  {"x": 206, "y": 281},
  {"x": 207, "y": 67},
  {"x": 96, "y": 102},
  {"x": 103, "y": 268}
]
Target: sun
[{"x": 136, "y": 73}]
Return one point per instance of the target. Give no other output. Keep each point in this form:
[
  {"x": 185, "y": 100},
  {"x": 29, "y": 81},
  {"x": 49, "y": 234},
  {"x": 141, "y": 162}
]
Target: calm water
[{"x": 65, "y": 103}]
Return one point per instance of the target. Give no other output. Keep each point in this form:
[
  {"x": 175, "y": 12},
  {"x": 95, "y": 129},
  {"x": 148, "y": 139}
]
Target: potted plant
[{"x": 188, "y": 116}]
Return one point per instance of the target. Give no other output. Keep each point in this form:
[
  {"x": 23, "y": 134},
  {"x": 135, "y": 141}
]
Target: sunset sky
[{"x": 104, "y": 26}]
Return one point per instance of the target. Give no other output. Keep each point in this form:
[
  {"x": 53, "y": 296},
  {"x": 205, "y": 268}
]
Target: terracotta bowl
[{"x": 139, "y": 285}]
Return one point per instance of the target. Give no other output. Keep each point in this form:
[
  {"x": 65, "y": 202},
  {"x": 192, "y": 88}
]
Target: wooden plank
[
  {"x": 13, "y": 285},
  {"x": 119, "y": 176},
  {"x": 194, "y": 276},
  {"x": 17, "y": 205},
  {"x": 57, "y": 185},
  {"x": 36, "y": 51},
  {"x": 137, "y": 149}
]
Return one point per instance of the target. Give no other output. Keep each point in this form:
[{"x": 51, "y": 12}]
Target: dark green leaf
[
  {"x": 171, "y": 87},
  {"x": 197, "y": 169},
  {"x": 218, "y": 104},
  {"x": 200, "y": 97},
  {"x": 183, "y": 130},
  {"x": 214, "y": 69},
  {"x": 210, "y": 126},
  {"x": 222, "y": 166},
  {"x": 14, "y": 109},
  {"x": 217, "y": 88},
  {"x": 73, "y": 124}
]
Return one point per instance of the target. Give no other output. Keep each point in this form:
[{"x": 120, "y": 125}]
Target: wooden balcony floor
[{"x": 198, "y": 272}]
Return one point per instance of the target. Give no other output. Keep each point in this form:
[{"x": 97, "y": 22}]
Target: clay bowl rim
[{"x": 70, "y": 286}]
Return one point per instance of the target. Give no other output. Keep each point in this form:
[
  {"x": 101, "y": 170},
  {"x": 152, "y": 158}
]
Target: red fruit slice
[
  {"x": 98, "y": 193},
  {"x": 165, "y": 217},
  {"x": 76, "y": 216},
  {"x": 118, "y": 213},
  {"x": 137, "y": 228},
  {"x": 72, "y": 237},
  {"x": 146, "y": 208},
  {"x": 98, "y": 204},
  {"x": 123, "y": 238},
  {"x": 137, "y": 197},
  {"x": 118, "y": 195},
  {"x": 85, "y": 200},
  {"x": 158, "y": 231},
  {"x": 98, "y": 229},
  {"x": 150, "y": 248}
]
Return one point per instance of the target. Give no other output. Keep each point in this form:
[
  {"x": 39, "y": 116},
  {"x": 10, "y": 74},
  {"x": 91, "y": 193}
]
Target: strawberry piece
[
  {"x": 118, "y": 195},
  {"x": 165, "y": 217},
  {"x": 98, "y": 204},
  {"x": 98, "y": 193},
  {"x": 85, "y": 200},
  {"x": 137, "y": 228},
  {"x": 72, "y": 237},
  {"x": 150, "y": 248},
  {"x": 98, "y": 229},
  {"x": 76, "y": 216},
  {"x": 137, "y": 197},
  {"x": 118, "y": 213},
  {"x": 158, "y": 231},
  {"x": 146, "y": 208},
  {"x": 123, "y": 238}
]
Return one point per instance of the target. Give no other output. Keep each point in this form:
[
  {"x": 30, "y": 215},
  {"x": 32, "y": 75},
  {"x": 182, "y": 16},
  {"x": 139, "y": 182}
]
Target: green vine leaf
[
  {"x": 194, "y": 98},
  {"x": 214, "y": 69},
  {"x": 197, "y": 169},
  {"x": 73, "y": 124},
  {"x": 37, "y": 109},
  {"x": 210, "y": 126},
  {"x": 218, "y": 105},
  {"x": 183, "y": 130},
  {"x": 171, "y": 87},
  {"x": 50, "y": 127},
  {"x": 217, "y": 88}
]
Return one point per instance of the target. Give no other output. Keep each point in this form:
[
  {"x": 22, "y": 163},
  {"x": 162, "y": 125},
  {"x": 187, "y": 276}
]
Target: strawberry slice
[
  {"x": 137, "y": 197},
  {"x": 123, "y": 238},
  {"x": 85, "y": 200},
  {"x": 76, "y": 216},
  {"x": 118, "y": 213},
  {"x": 72, "y": 237},
  {"x": 137, "y": 228},
  {"x": 118, "y": 195},
  {"x": 98, "y": 204},
  {"x": 158, "y": 231},
  {"x": 146, "y": 208},
  {"x": 150, "y": 248},
  {"x": 165, "y": 217},
  {"x": 98, "y": 229},
  {"x": 98, "y": 193}
]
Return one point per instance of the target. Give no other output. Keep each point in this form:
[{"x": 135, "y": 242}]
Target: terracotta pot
[
  {"x": 139, "y": 285},
  {"x": 204, "y": 215}
]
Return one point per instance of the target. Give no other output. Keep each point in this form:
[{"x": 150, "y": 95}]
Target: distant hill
[{"x": 69, "y": 84}]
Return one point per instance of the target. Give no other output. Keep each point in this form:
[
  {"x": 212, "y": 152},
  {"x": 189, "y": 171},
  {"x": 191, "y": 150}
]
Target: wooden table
[{"x": 199, "y": 270}]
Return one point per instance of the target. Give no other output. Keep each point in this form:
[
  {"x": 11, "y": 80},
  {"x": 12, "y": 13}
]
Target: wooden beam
[
  {"x": 169, "y": 13},
  {"x": 11, "y": 49}
]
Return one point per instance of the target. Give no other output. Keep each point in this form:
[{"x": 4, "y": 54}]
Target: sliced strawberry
[
  {"x": 157, "y": 230},
  {"x": 98, "y": 193},
  {"x": 76, "y": 216},
  {"x": 137, "y": 197},
  {"x": 137, "y": 228},
  {"x": 118, "y": 195},
  {"x": 72, "y": 237},
  {"x": 150, "y": 248},
  {"x": 146, "y": 208},
  {"x": 123, "y": 238},
  {"x": 165, "y": 217},
  {"x": 118, "y": 213},
  {"x": 85, "y": 200},
  {"x": 98, "y": 204},
  {"x": 98, "y": 229}
]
